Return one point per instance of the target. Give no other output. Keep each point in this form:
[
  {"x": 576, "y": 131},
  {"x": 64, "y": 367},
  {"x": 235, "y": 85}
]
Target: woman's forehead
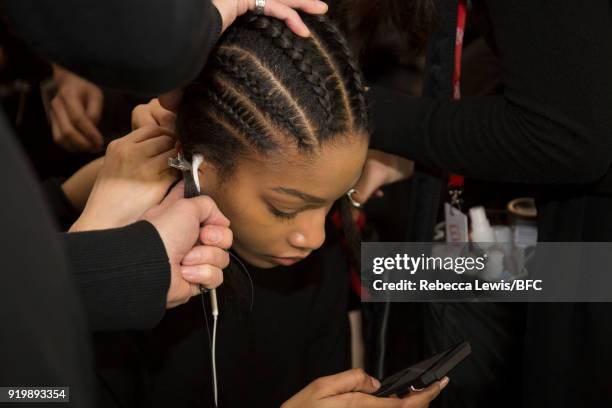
[{"x": 327, "y": 174}]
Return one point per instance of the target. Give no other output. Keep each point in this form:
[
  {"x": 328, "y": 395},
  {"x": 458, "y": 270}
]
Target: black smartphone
[{"x": 424, "y": 373}]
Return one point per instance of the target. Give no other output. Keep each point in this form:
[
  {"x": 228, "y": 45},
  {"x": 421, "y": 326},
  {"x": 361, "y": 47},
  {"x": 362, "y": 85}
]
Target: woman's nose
[{"x": 310, "y": 233}]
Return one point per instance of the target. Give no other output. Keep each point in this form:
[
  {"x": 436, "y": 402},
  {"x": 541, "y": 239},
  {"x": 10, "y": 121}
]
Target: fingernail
[
  {"x": 444, "y": 382},
  {"x": 375, "y": 382},
  {"x": 322, "y": 3},
  {"x": 213, "y": 236}
]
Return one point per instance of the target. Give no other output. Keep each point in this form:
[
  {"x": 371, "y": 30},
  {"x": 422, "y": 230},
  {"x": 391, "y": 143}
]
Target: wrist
[
  {"x": 84, "y": 223},
  {"x": 78, "y": 226},
  {"x": 88, "y": 222}
]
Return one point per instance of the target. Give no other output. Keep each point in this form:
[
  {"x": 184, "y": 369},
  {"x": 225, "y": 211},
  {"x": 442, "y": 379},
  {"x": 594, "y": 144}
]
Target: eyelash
[{"x": 282, "y": 215}]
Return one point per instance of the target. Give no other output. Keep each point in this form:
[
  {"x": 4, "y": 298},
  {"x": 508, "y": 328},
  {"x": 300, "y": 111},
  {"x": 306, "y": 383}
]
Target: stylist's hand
[
  {"x": 75, "y": 112},
  {"x": 178, "y": 221},
  {"x": 152, "y": 114},
  {"x": 352, "y": 389},
  {"x": 379, "y": 170},
  {"x": 134, "y": 177},
  {"x": 281, "y": 9}
]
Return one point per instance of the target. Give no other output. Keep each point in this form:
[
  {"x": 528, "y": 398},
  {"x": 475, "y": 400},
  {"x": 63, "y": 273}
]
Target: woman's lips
[{"x": 286, "y": 261}]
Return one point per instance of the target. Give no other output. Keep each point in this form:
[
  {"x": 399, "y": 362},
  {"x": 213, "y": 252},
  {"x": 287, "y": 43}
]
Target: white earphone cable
[{"x": 195, "y": 166}]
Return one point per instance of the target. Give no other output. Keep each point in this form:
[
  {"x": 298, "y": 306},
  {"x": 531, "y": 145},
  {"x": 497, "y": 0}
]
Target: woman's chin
[
  {"x": 258, "y": 261},
  {"x": 264, "y": 261}
]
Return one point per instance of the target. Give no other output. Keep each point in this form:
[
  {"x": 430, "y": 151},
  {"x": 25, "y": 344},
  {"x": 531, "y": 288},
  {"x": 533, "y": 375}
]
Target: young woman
[{"x": 281, "y": 123}]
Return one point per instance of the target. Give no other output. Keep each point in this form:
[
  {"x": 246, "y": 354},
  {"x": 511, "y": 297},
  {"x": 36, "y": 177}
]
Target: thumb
[
  {"x": 347, "y": 381},
  {"x": 176, "y": 193},
  {"x": 369, "y": 182},
  {"x": 208, "y": 212},
  {"x": 416, "y": 399}
]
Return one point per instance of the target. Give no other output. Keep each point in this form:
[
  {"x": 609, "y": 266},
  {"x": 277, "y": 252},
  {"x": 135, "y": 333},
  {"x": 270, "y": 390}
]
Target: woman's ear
[{"x": 208, "y": 177}]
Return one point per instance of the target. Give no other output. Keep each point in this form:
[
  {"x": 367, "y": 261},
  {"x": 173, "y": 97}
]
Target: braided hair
[{"x": 265, "y": 88}]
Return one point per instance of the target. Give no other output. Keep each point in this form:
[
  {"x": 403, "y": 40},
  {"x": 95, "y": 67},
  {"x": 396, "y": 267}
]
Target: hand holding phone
[{"x": 425, "y": 372}]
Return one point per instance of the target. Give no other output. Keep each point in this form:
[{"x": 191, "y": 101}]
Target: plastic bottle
[{"x": 482, "y": 233}]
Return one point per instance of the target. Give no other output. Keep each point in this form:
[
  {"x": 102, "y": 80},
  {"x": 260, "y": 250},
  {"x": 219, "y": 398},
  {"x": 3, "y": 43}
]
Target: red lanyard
[
  {"x": 456, "y": 181},
  {"x": 461, "y": 14}
]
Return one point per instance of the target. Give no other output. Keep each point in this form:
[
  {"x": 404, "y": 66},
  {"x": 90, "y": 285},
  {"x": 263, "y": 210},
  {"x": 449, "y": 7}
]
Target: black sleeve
[
  {"x": 145, "y": 46},
  {"x": 44, "y": 338},
  {"x": 122, "y": 275},
  {"x": 553, "y": 122}
]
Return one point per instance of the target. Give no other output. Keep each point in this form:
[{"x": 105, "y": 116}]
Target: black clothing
[
  {"x": 146, "y": 47},
  {"x": 135, "y": 282},
  {"x": 492, "y": 375},
  {"x": 297, "y": 331},
  {"x": 122, "y": 274},
  {"x": 551, "y": 128},
  {"x": 61, "y": 207},
  {"x": 551, "y": 125},
  {"x": 44, "y": 339},
  {"x": 140, "y": 46}
]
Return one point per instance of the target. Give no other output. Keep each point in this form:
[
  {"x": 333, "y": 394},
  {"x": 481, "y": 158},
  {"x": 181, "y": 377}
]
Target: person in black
[
  {"x": 551, "y": 127},
  {"x": 266, "y": 174},
  {"x": 44, "y": 336},
  {"x": 47, "y": 343},
  {"x": 296, "y": 332}
]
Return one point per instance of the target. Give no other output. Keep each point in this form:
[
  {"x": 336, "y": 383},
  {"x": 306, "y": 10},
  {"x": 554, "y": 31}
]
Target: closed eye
[{"x": 283, "y": 215}]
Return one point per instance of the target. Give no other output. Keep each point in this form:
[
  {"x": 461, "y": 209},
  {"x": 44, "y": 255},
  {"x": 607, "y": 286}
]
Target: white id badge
[{"x": 456, "y": 224}]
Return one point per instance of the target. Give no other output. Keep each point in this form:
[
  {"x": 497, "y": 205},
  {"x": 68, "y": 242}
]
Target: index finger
[
  {"x": 345, "y": 382},
  {"x": 152, "y": 113},
  {"x": 148, "y": 132},
  {"x": 94, "y": 102},
  {"x": 285, "y": 10},
  {"x": 277, "y": 9},
  {"x": 308, "y": 6},
  {"x": 176, "y": 193},
  {"x": 76, "y": 112},
  {"x": 67, "y": 134}
]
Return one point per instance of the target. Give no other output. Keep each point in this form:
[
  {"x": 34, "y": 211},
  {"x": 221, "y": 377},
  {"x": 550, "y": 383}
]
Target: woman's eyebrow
[{"x": 299, "y": 194}]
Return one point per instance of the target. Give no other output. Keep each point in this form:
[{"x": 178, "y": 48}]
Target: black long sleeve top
[
  {"x": 120, "y": 275},
  {"x": 152, "y": 47},
  {"x": 551, "y": 125},
  {"x": 123, "y": 282},
  {"x": 145, "y": 46}
]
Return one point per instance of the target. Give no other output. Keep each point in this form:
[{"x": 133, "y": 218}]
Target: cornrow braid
[
  {"x": 295, "y": 48},
  {"x": 353, "y": 77},
  {"x": 243, "y": 118},
  {"x": 250, "y": 80},
  {"x": 264, "y": 86}
]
